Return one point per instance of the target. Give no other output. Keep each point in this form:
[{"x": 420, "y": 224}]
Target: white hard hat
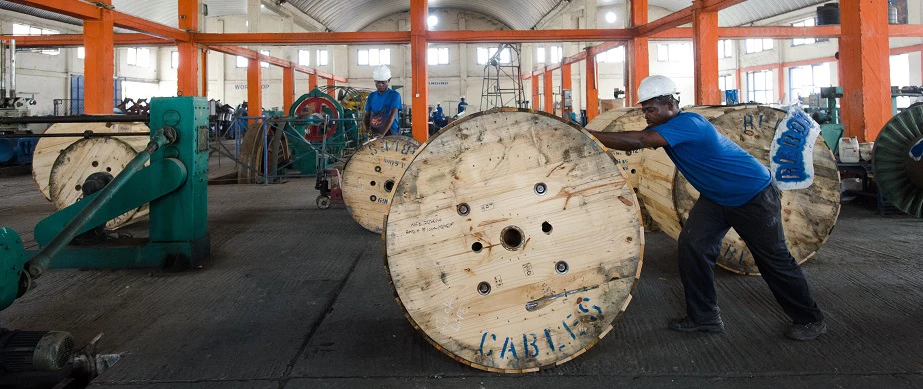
[
  {"x": 381, "y": 73},
  {"x": 656, "y": 86}
]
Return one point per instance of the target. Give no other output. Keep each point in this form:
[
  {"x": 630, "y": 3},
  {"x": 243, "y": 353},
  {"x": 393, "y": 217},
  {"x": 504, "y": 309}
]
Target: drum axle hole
[
  {"x": 389, "y": 185},
  {"x": 511, "y": 237}
]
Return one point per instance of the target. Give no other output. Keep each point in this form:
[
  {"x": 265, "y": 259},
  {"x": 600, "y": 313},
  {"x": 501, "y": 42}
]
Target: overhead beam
[
  {"x": 252, "y": 54},
  {"x": 88, "y": 11},
  {"x": 777, "y": 32},
  {"x": 303, "y": 38},
  {"x": 73, "y": 8},
  {"x": 504, "y": 36},
  {"x": 148, "y": 27},
  {"x": 76, "y": 40},
  {"x": 681, "y": 17}
]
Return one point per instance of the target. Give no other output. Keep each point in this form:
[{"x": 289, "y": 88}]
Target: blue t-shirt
[
  {"x": 716, "y": 166},
  {"x": 379, "y": 107},
  {"x": 462, "y": 106}
]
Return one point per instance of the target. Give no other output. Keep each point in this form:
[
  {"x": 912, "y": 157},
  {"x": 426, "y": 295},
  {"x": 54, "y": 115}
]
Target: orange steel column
[
  {"x": 330, "y": 84},
  {"x": 187, "y": 72},
  {"x": 548, "y": 91},
  {"x": 204, "y": 72},
  {"x": 312, "y": 81},
  {"x": 535, "y": 102},
  {"x": 98, "y": 64},
  {"x": 592, "y": 90},
  {"x": 639, "y": 66},
  {"x": 254, "y": 88},
  {"x": 864, "y": 53},
  {"x": 781, "y": 84},
  {"x": 420, "y": 89},
  {"x": 565, "y": 85},
  {"x": 288, "y": 87},
  {"x": 705, "y": 46}
]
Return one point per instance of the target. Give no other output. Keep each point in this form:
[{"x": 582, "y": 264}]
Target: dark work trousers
[{"x": 759, "y": 223}]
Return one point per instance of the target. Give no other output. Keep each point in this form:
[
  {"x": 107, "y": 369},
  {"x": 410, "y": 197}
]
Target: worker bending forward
[
  {"x": 382, "y": 105},
  {"x": 736, "y": 191}
]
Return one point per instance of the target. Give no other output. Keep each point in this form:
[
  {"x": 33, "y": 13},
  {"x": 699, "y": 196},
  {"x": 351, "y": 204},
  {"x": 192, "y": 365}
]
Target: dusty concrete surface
[{"x": 295, "y": 297}]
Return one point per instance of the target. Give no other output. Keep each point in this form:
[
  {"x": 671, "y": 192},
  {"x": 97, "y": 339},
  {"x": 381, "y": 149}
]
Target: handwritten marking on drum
[
  {"x": 487, "y": 207},
  {"x": 451, "y": 319},
  {"x": 400, "y": 164},
  {"x": 552, "y": 339},
  {"x": 527, "y": 269},
  {"x": 428, "y": 225}
]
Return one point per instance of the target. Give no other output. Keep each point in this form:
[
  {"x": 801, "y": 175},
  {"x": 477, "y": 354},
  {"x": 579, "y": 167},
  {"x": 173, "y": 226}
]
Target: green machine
[
  {"x": 175, "y": 185},
  {"x": 827, "y": 115},
  {"x": 320, "y": 123}
]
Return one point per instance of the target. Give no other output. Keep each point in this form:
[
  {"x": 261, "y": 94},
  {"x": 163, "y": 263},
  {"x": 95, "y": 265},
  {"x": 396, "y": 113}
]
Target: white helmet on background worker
[
  {"x": 656, "y": 86},
  {"x": 381, "y": 73}
]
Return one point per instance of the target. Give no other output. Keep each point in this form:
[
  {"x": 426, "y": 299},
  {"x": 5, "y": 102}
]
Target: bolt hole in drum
[
  {"x": 484, "y": 282},
  {"x": 370, "y": 173}
]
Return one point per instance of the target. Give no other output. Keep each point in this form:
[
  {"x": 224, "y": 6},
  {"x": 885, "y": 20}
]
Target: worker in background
[
  {"x": 382, "y": 106},
  {"x": 462, "y": 105},
  {"x": 736, "y": 192}
]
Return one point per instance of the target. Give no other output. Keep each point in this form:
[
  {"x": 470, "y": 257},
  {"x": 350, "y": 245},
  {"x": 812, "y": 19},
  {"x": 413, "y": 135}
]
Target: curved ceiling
[{"x": 356, "y": 14}]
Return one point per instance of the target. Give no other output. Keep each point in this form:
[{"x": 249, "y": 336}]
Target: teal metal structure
[{"x": 175, "y": 185}]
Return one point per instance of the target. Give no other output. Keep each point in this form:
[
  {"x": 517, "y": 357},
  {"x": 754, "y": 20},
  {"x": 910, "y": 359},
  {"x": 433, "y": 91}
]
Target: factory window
[
  {"x": 25, "y": 29},
  {"x": 612, "y": 55},
  {"x": 758, "y": 45},
  {"x": 242, "y": 62},
  {"x": 805, "y": 80},
  {"x": 900, "y": 76},
  {"x": 437, "y": 56},
  {"x": 557, "y": 54},
  {"x": 304, "y": 57},
  {"x": 321, "y": 57},
  {"x": 759, "y": 86},
  {"x": 540, "y": 55},
  {"x": 374, "y": 57},
  {"x": 672, "y": 52},
  {"x": 725, "y": 48},
  {"x": 174, "y": 59},
  {"x": 485, "y": 53},
  {"x": 806, "y": 41},
  {"x": 139, "y": 57},
  {"x": 264, "y": 64},
  {"x": 725, "y": 82},
  {"x": 81, "y": 53}
]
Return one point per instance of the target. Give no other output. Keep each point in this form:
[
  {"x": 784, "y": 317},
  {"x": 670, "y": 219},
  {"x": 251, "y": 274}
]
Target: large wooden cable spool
[
  {"x": 83, "y": 158},
  {"x": 620, "y": 120},
  {"x": 808, "y": 215},
  {"x": 61, "y": 164},
  {"x": 250, "y": 169},
  {"x": 513, "y": 241},
  {"x": 48, "y": 149},
  {"x": 370, "y": 175},
  {"x": 898, "y": 160}
]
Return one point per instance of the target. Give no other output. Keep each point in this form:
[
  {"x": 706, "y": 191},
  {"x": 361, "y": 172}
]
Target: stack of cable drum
[
  {"x": 61, "y": 165},
  {"x": 808, "y": 215}
]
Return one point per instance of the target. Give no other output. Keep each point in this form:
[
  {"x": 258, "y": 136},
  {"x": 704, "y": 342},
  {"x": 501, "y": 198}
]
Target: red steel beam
[
  {"x": 303, "y": 38},
  {"x": 592, "y": 90},
  {"x": 254, "y": 88},
  {"x": 501, "y": 36},
  {"x": 638, "y": 65},
  {"x": 288, "y": 86},
  {"x": 535, "y": 103},
  {"x": 87, "y": 11},
  {"x": 148, "y": 27},
  {"x": 73, "y": 8},
  {"x": 187, "y": 72},
  {"x": 864, "y": 53},
  {"x": 681, "y": 17},
  {"x": 419, "y": 86},
  {"x": 76, "y": 40},
  {"x": 777, "y": 32},
  {"x": 905, "y": 30},
  {"x": 566, "y": 84},
  {"x": 251, "y": 54},
  {"x": 312, "y": 81}
]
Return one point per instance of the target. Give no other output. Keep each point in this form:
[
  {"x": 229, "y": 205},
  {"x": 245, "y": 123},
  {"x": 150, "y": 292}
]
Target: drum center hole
[{"x": 511, "y": 237}]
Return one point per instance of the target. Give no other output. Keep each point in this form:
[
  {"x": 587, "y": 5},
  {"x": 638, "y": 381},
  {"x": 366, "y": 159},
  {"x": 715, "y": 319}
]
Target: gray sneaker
[
  {"x": 686, "y": 324},
  {"x": 806, "y": 331}
]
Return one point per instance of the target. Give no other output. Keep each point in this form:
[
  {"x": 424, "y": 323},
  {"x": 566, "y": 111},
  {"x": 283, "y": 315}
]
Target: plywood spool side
[
  {"x": 808, "y": 215},
  {"x": 83, "y": 158},
  {"x": 250, "y": 170},
  {"x": 371, "y": 174},
  {"x": 48, "y": 149},
  {"x": 469, "y": 214}
]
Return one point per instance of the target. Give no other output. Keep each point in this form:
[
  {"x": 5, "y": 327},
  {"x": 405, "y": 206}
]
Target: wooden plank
[
  {"x": 475, "y": 252},
  {"x": 370, "y": 175}
]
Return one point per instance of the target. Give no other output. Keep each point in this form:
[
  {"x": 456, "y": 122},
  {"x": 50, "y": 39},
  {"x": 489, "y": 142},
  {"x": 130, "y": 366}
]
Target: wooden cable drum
[
  {"x": 898, "y": 160},
  {"x": 251, "y": 153},
  {"x": 48, "y": 149},
  {"x": 513, "y": 241},
  {"x": 83, "y": 158},
  {"x": 627, "y": 119},
  {"x": 370, "y": 175},
  {"x": 808, "y": 215}
]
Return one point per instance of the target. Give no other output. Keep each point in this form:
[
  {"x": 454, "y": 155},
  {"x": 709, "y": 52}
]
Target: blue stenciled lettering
[
  {"x": 526, "y": 345},
  {"x": 789, "y": 156}
]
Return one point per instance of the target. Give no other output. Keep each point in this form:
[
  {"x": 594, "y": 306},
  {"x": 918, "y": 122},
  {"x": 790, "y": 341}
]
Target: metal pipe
[
  {"x": 39, "y": 264},
  {"x": 85, "y": 135},
  {"x": 76, "y": 119},
  {"x": 2, "y": 69},
  {"x": 12, "y": 68}
]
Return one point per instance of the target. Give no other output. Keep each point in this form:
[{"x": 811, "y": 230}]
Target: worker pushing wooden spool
[
  {"x": 627, "y": 119},
  {"x": 61, "y": 164},
  {"x": 513, "y": 242},
  {"x": 370, "y": 175},
  {"x": 808, "y": 215}
]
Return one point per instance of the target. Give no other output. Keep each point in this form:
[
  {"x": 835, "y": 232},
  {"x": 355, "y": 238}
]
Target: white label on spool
[
  {"x": 791, "y": 155},
  {"x": 916, "y": 151}
]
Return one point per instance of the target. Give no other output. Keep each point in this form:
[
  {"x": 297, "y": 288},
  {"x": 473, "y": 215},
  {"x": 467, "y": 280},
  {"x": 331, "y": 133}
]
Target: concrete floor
[{"x": 295, "y": 297}]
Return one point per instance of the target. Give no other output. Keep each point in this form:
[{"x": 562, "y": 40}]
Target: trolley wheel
[{"x": 323, "y": 202}]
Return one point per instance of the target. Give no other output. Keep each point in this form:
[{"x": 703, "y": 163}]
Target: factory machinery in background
[
  {"x": 15, "y": 150},
  {"x": 174, "y": 184}
]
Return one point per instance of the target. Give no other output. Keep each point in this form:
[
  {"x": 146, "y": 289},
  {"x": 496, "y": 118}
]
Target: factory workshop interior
[{"x": 461, "y": 194}]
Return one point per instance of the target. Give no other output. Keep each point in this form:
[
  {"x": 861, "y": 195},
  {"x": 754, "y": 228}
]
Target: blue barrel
[{"x": 7, "y": 150}]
